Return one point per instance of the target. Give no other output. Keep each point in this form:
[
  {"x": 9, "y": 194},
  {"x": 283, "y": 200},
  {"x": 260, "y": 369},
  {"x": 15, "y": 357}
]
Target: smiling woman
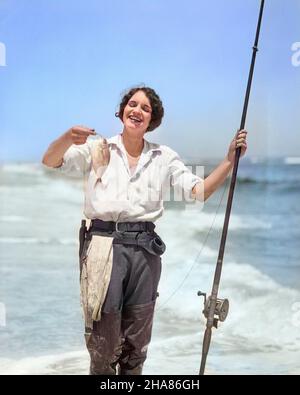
[
  {"x": 150, "y": 102},
  {"x": 120, "y": 261}
]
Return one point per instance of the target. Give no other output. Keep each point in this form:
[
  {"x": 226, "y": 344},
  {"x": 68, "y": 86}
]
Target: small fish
[{"x": 100, "y": 156}]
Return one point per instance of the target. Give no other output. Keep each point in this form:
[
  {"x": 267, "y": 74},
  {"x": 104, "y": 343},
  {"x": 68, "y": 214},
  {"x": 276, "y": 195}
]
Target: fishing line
[{"x": 199, "y": 253}]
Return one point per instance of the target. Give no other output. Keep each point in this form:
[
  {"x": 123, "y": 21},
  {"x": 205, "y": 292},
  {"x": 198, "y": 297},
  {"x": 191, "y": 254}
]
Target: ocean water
[{"x": 41, "y": 326}]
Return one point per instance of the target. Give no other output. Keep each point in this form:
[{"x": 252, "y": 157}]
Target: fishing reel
[{"x": 221, "y": 309}]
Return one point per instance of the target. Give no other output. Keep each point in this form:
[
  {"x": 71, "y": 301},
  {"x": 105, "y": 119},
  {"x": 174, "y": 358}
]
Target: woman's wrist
[
  {"x": 229, "y": 163},
  {"x": 67, "y": 138}
]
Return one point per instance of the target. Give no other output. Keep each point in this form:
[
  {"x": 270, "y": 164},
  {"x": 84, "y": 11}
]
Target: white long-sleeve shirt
[{"x": 122, "y": 195}]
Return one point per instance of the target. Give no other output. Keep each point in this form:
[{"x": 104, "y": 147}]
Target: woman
[{"x": 120, "y": 259}]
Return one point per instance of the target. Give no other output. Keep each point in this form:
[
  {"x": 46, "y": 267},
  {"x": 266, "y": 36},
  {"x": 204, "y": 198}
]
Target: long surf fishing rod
[{"x": 216, "y": 309}]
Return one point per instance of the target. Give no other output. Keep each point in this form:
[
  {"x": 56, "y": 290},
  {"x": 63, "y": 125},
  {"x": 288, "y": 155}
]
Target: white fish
[{"x": 100, "y": 155}]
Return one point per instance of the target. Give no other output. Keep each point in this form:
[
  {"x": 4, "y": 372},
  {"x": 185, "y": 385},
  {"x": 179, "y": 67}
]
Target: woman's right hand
[{"x": 79, "y": 134}]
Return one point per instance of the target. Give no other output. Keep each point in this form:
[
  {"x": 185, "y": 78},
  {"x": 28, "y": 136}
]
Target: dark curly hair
[{"x": 156, "y": 105}]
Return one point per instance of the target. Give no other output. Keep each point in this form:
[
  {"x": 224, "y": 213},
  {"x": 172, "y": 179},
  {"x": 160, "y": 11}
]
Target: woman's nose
[{"x": 138, "y": 109}]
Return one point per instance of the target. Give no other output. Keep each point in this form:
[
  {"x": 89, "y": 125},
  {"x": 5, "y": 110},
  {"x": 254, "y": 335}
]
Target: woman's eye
[{"x": 133, "y": 103}]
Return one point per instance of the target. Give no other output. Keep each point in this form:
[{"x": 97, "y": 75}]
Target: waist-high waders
[{"x": 120, "y": 268}]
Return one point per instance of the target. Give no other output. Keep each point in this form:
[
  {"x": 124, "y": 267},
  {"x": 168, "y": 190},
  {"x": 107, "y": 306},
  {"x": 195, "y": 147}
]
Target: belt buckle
[{"x": 117, "y": 228}]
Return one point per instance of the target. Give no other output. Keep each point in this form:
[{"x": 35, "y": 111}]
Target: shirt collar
[{"x": 148, "y": 146}]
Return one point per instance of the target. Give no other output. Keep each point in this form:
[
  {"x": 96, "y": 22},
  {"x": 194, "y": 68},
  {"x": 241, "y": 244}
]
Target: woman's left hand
[{"x": 238, "y": 141}]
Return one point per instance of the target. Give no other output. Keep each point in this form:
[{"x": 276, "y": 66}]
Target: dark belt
[{"x": 111, "y": 226}]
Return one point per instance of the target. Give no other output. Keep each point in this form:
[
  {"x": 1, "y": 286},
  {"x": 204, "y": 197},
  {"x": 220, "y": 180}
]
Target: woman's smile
[{"x": 136, "y": 119}]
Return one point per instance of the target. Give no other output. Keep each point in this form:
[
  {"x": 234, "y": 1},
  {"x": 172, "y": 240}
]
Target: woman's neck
[{"x": 133, "y": 145}]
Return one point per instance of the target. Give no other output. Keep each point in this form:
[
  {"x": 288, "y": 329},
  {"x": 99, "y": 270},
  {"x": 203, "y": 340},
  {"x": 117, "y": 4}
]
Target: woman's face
[{"x": 137, "y": 114}]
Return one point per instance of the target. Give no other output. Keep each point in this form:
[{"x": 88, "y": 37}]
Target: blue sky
[{"x": 68, "y": 62}]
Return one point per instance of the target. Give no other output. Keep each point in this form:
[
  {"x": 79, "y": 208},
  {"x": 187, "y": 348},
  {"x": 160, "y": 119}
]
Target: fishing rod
[{"x": 216, "y": 309}]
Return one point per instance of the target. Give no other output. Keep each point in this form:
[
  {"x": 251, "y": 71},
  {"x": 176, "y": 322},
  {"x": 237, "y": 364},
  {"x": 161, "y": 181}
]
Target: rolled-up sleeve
[
  {"x": 180, "y": 175},
  {"x": 76, "y": 161}
]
